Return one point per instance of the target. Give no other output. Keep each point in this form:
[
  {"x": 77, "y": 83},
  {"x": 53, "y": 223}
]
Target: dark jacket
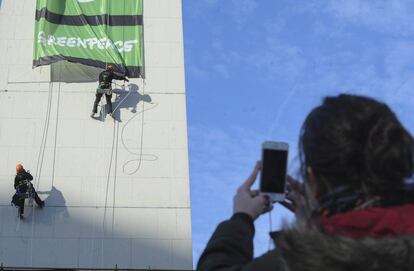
[
  {"x": 306, "y": 249},
  {"x": 19, "y": 181},
  {"x": 106, "y": 77}
]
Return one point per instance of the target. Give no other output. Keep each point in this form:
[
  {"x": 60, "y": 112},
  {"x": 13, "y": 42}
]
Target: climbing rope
[
  {"x": 40, "y": 162},
  {"x": 114, "y": 149},
  {"x": 102, "y": 119},
  {"x": 41, "y": 154},
  {"x": 100, "y": 143},
  {"x": 115, "y": 179},
  {"x": 56, "y": 125}
]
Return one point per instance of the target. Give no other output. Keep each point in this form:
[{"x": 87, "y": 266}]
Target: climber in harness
[
  {"x": 105, "y": 87},
  {"x": 24, "y": 189}
]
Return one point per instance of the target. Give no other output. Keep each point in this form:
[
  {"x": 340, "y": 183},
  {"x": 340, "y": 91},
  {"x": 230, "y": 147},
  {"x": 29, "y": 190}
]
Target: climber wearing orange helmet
[
  {"x": 22, "y": 183},
  {"x": 105, "y": 87},
  {"x": 19, "y": 168}
]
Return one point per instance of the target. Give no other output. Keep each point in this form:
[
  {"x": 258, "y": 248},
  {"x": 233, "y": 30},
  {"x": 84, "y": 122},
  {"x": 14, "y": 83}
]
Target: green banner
[{"x": 90, "y": 32}]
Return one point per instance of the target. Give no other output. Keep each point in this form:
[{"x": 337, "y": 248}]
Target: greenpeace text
[{"x": 88, "y": 43}]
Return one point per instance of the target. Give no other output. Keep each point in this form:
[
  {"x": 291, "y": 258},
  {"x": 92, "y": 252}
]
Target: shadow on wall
[
  {"x": 127, "y": 99},
  {"x": 54, "y": 198}
]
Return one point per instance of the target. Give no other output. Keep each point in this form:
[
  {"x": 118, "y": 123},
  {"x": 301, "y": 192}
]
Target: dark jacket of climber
[
  {"x": 23, "y": 185},
  {"x": 105, "y": 87}
]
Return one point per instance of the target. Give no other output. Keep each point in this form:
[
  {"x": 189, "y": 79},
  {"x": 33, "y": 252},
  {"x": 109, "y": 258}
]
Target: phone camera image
[{"x": 273, "y": 176}]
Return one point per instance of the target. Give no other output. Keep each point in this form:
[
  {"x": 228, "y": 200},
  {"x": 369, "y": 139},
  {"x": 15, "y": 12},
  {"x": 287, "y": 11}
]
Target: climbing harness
[{"x": 27, "y": 194}]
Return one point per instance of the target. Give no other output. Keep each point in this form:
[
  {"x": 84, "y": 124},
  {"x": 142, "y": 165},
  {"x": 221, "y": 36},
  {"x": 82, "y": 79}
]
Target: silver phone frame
[{"x": 280, "y": 146}]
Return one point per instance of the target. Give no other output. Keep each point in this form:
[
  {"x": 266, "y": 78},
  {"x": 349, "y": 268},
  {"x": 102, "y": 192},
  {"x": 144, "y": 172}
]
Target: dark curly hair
[{"x": 358, "y": 142}]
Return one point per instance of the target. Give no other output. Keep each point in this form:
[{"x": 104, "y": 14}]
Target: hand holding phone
[
  {"x": 249, "y": 201},
  {"x": 274, "y": 170}
]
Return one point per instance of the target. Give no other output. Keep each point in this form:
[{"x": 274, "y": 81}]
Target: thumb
[{"x": 252, "y": 178}]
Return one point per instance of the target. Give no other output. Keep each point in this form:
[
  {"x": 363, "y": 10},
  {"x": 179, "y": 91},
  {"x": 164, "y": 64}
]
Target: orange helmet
[
  {"x": 19, "y": 168},
  {"x": 109, "y": 67}
]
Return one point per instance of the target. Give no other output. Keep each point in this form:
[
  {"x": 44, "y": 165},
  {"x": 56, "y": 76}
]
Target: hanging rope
[
  {"x": 40, "y": 156},
  {"x": 114, "y": 149},
  {"x": 109, "y": 175},
  {"x": 97, "y": 179},
  {"x": 103, "y": 116},
  {"x": 56, "y": 125},
  {"x": 115, "y": 179},
  {"x": 42, "y": 152},
  {"x": 106, "y": 32}
]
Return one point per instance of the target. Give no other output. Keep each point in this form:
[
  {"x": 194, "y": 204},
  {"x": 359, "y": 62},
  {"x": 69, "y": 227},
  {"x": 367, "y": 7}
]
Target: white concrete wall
[{"x": 117, "y": 192}]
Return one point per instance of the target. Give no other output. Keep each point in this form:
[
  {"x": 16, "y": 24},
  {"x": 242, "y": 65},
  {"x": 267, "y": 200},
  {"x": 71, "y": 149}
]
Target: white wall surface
[{"x": 117, "y": 192}]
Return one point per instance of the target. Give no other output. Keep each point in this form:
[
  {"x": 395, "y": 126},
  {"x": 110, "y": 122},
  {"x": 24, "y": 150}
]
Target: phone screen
[{"x": 273, "y": 174}]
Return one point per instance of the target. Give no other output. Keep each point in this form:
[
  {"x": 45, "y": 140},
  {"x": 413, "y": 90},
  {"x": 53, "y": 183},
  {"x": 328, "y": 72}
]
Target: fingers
[
  {"x": 264, "y": 201},
  {"x": 295, "y": 197},
  {"x": 294, "y": 186},
  {"x": 267, "y": 205},
  {"x": 294, "y": 194},
  {"x": 252, "y": 178},
  {"x": 293, "y": 182}
]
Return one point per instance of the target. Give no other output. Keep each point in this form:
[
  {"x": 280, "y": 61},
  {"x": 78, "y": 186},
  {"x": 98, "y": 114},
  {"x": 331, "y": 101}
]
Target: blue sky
[{"x": 254, "y": 69}]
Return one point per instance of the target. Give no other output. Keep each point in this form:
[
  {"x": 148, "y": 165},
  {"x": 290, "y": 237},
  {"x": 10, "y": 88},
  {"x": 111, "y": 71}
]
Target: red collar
[{"x": 372, "y": 222}]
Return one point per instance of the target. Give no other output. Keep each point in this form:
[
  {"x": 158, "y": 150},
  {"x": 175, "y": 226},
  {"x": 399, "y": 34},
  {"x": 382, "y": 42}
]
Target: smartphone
[{"x": 274, "y": 170}]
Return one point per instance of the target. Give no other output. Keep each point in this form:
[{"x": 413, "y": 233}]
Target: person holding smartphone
[{"x": 353, "y": 208}]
